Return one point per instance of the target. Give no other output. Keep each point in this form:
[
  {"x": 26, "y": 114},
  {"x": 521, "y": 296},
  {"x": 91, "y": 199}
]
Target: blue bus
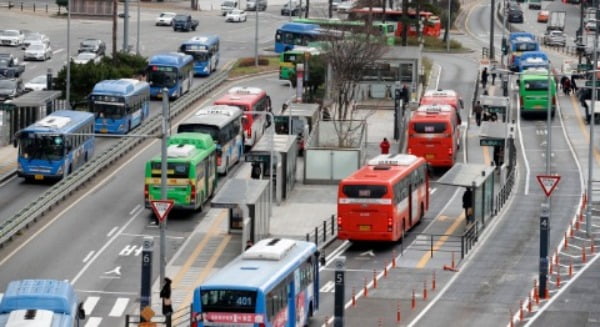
[
  {"x": 119, "y": 105},
  {"x": 518, "y": 43},
  {"x": 533, "y": 59},
  {"x": 291, "y": 34},
  {"x": 56, "y": 145},
  {"x": 40, "y": 302},
  {"x": 273, "y": 283},
  {"x": 205, "y": 50},
  {"x": 173, "y": 70}
]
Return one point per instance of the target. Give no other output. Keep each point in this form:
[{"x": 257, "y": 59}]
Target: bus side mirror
[{"x": 80, "y": 311}]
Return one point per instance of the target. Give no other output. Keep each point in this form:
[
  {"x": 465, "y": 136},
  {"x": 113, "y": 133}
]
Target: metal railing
[
  {"x": 47, "y": 7},
  {"x": 323, "y": 234},
  {"x": 179, "y": 318},
  {"x": 62, "y": 189}
]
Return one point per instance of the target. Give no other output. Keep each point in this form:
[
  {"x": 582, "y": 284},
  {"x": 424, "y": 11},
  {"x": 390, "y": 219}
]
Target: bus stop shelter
[
  {"x": 247, "y": 201},
  {"x": 285, "y": 148},
  {"x": 478, "y": 177},
  {"x": 494, "y": 134},
  {"x": 495, "y": 104},
  {"x": 25, "y": 110}
]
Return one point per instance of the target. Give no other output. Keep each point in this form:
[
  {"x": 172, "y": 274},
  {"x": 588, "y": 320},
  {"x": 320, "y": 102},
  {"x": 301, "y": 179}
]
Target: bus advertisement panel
[
  {"x": 40, "y": 302},
  {"x": 434, "y": 134},
  {"x": 191, "y": 171},
  {"x": 384, "y": 199},
  {"x": 432, "y": 25},
  {"x": 354, "y": 26},
  {"x": 533, "y": 92},
  {"x": 224, "y": 125},
  {"x": 205, "y": 51},
  {"x": 174, "y": 71},
  {"x": 119, "y": 105},
  {"x": 519, "y": 42},
  {"x": 281, "y": 289},
  {"x": 249, "y": 99},
  {"x": 56, "y": 145}
]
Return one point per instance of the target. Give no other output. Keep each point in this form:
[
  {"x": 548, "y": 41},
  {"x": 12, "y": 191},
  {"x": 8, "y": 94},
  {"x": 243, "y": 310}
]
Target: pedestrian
[
  {"x": 573, "y": 84},
  {"x": 484, "y": 77},
  {"x": 256, "y": 171},
  {"x": 405, "y": 94},
  {"x": 326, "y": 115},
  {"x": 249, "y": 244},
  {"x": 567, "y": 86},
  {"x": 493, "y": 75},
  {"x": 467, "y": 202},
  {"x": 478, "y": 110},
  {"x": 563, "y": 80},
  {"x": 165, "y": 295},
  {"x": 581, "y": 94},
  {"x": 384, "y": 146}
]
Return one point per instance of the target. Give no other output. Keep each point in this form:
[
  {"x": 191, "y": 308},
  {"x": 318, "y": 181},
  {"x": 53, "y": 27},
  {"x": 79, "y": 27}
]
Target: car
[
  {"x": 9, "y": 66},
  {"x": 515, "y": 15},
  {"x": 165, "y": 18},
  {"x": 227, "y": 6},
  {"x": 38, "y": 51},
  {"x": 38, "y": 83},
  {"x": 85, "y": 57},
  {"x": 92, "y": 45},
  {"x": 11, "y": 88},
  {"x": 236, "y": 15},
  {"x": 556, "y": 38},
  {"x": 293, "y": 8},
  {"x": 252, "y": 5},
  {"x": 34, "y": 37},
  {"x": 344, "y": 7},
  {"x": 122, "y": 15},
  {"x": 590, "y": 25},
  {"x": 12, "y": 37},
  {"x": 543, "y": 16},
  {"x": 184, "y": 22}
]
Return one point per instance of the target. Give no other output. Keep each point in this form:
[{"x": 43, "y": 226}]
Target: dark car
[
  {"x": 292, "y": 9},
  {"x": 92, "y": 45},
  {"x": 515, "y": 15},
  {"x": 11, "y": 88}
]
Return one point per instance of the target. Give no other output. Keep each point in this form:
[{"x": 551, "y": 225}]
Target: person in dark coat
[
  {"x": 478, "y": 110},
  {"x": 165, "y": 295},
  {"x": 484, "y": 77},
  {"x": 256, "y": 171},
  {"x": 467, "y": 203}
]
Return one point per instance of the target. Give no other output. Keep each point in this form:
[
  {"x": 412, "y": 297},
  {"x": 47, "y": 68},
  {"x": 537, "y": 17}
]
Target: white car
[
  {"x": 344, "y": 7},
  {"x": 38, "y": 51},
  {"x": 165, "y": 18},
  {"x": 38, "y": 83},
  {"x": 85, "y": 57},
  {"x": 34, "y": 37},
  {"x": 236, "y": 15},
  {"x": 12, "y": 37}
]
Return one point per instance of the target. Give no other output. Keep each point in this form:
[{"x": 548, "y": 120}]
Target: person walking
[
  {"x": 573, "y": 84},
  {"x": 484, "y": 77},
  {"x": 467, "y": 203},
  {"x": 256, "y": 171},
  {"x": 167, "y": 305},
  {"x": 478, "y": 110},
  {"x": 384, "y": 146},
  {"x": 493, "y": 75},
  {"x": 249, "y": 244},
  {"x": 567, "y": 86}
]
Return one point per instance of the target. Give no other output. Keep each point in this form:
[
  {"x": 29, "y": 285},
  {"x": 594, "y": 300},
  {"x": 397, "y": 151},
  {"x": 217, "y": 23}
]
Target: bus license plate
[
  {"x": 364, "y": 228},
  {"x": 104, "y": 131},
  {"x": 538, "y": 107},
  {"x": 38, "y": 177},
  {"x": 429, "y": 156}
]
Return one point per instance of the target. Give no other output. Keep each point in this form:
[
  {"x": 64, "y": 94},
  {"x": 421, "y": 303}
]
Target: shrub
[{"x": 249, "y": 61}]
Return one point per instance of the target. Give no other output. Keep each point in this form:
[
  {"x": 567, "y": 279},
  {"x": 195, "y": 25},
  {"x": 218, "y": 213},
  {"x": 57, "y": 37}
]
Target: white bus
[{"x": 224, "y": 124}]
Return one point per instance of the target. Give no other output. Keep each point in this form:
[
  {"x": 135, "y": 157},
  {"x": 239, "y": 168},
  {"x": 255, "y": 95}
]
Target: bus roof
[
  {"x": 122, "y": 86},
  {"x": 300, "y": 28},
  {"x": 515, "y": 35},
  {"x": 42, "y": 294},
  {"x": 203, "y": 39},
  {"x": 62, "y": 121},
  {"x": 177, "y": 59},
  {"x": 440, "y": 93},
  {"x": 433, "y": 112},
  {"x": 214, "y": 115},
  {"x": 390, "y": 11},
  {"x": 383, "y": 169},
  {"x": 241, "y": 96},
  {"x": 262, "y": 266}
]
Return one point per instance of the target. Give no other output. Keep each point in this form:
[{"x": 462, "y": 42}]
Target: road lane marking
[
  {"x": 88, "y": 256},
  {"x": 438, "y": 244},
  {"x": 93, "y": 322},
  {"x": 90, "y": 304},
  {"x": 58, "y": 51},
  {"x": 112, "y": 231},
  {"x": 137, "y": 207},
  {"x": 119, "y": 307},
  {"x": 328, "y": 287},
  {"x": 584, "y": 129}
]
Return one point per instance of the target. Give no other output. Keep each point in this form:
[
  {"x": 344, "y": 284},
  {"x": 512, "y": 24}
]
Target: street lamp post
[
  {"x": 256, "y": 34},
  {"x": 163, "y": 178},
  {"x": 126, "y": 26},
  {"x": 588, "y": 213},
  {"x": 503, "y": 30},
  {"x": 448, "y": 25},
  {"x": 137, "y": 42},
  {"x": 68, "y": 90}
]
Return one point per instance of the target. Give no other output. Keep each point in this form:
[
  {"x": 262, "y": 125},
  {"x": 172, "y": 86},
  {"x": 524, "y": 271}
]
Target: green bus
[
  {"x": 289, "y": 59},
  {"x": 355, "y": 26},
  {"x": 191, "y": 171},
  {"x": 533, "y": 92}
]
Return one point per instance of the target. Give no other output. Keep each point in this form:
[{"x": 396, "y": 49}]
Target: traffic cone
[
  {"x": 366, "y": 290},
  {"x": 592, "y": 249},
  {"x": 394, "y": 259},
  {"x": 374, "y": 278},
  {"x": 353, "y": 297},
  {"x": 425, "y": 290},
  {"x": 583, "y": 257},
  {"x": 433, "y": 281},
  {"x": 398, "y": 314},
  {"x": 529, "y": 303},
  {"x": 413, "y": 301},
  {"x": 521, "y": 315},
  {"x": 557, "y": 276},
  {"x": 566, "y": 241},
  {"x": 571, "y": 268}
]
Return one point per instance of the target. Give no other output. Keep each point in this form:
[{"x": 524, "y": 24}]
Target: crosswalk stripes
[
  {"x": 96, "y": 310},
  {"x": 90, "y": 304},
  {"x": 119, "y": 308},
  {"x": 93, "y": 322}
]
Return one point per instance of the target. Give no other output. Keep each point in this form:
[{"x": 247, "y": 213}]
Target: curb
[{"x": 8, "y": 176}]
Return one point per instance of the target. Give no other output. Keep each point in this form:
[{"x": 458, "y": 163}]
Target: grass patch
[
  {"x": 432, "y": 43},
  {"x": 245, "y": 66}
]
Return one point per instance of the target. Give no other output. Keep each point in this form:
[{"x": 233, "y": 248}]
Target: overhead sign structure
[
  {"x": 161, "y": 208},
  {"x": 548, "y": 183}
]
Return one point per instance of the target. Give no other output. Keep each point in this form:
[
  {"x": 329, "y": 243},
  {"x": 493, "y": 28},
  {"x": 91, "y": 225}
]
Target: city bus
[
  {"x": 434, "y": 134},
  {"x": 444, "y": 97},
  {"x": 119, "y": 105},
  {"x": 431, "y": 24},
  {"x": 533, "y": 59},
  {"x": 533, "y": 92},
  {"x": 273, "y": 283},
  {"x": 379, "y": 28},
  {"x": 224, "y": 125},
  {"x": 191, "y": 171},
  {"x": 56, "y": 145},
  {"x": 174, "y": 71},
  {"x": 518, "y": 43},
  {"x": 249, "y": 99},
  {"x": 292, "y": 34},
  {"x": 289, "y": 59},
  {"x": 40, "y": 302},
  {"x": 205, "y": 51},
  {"x": 384, "y": 199}
]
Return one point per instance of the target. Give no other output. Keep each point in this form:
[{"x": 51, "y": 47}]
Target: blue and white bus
[
  {"x": 205, "y": 50},
  {"x": 173, "y": 70},
  {"x": 119, "y": 105},
  {"x": 274, "y": 283},
  {"x": 224, "y": 124},
  {"x": 56, "y": 145},
  {"x": 290, "y": 35},
  {"x": 40, "y": 302}
]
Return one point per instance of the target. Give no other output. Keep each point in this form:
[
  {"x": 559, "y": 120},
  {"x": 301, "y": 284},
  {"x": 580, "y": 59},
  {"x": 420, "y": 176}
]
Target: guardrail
[
  {"x": 323, "y": 234},
  {"x": 32, "y": 6},
  {"x": 62, "y": 189}
]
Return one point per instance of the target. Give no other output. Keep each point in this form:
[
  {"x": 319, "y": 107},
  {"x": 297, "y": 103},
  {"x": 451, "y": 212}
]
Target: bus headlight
[
  {"x": 19, "y": 166},
  {"x": 60, "y": 170},
  {"x": 205, "y": 69}
]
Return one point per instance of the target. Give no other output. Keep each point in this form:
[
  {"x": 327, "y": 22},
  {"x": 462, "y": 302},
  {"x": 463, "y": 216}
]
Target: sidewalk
[{"x": 8, "y": 162}]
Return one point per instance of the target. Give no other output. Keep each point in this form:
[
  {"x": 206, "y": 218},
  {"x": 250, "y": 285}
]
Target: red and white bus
[
  {"x": 449, "y": 97},
  {"x": 249, "y": 99},
  {"x": 432, "y": 25},
  {"x": 434, "y": 134},
  {"x": 384, "y": 199}
]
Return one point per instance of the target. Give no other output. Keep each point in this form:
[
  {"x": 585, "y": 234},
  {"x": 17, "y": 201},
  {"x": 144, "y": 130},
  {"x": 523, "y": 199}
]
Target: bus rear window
[
  {"x": 536, "y": 85},
  {"x": 364, "y": 191},
  {"x": 228, "y": 301},
  {"x": 174, "y": 170},
  {"x": 199, "y": 128},
  {"x": 526, "y": 46},
  {"x": 430, "y": 127}
]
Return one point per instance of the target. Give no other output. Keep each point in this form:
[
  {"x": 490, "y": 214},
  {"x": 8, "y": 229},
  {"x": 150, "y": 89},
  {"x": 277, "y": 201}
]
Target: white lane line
[
  {"x": 119, "y": 307},
  {"x": 90, "y": 304},
  {"x": 523, "y": 153},
  {"x": 58, "y": 51},
  {"x": 432, "y": 190},
  {"x": 328, "y": 287},
  {"x": 88, "y": 256},
  {"x": 135, "y": 209},
  {"x": 93, "y": 322},
  {"x": 112, "y": 231}
]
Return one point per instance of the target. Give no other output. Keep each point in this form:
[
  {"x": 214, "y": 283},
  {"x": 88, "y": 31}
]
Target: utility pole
[
  {"x": 68, "y": 91},
  {"x": 256, "y": 34},
  {"x": 492, "y": 24},
  {"x": 588, "y": 211},
  {"x": 449, "y": 24},
  {"x": 405, "y": 22},
  {"x": 126, "y": 26},
  {"x": 137, "y": 42},
  {"x": 114, "y": 31},
  {"x": 163, "y": 178}
]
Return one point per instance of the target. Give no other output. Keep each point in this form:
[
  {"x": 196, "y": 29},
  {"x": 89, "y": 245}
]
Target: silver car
[
  {"x": 12, "y": 37},
  {"x": 555, "y": 38},
  {"x": 38, "y": 51}
]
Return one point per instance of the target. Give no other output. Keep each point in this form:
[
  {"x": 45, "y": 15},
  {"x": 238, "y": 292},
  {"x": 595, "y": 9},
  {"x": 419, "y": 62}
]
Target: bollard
[
  {"x": 413, "y": 301},
  {"x": 366, "y": 290},
  {"x": 521, "y": 315},
  {"x": 536, "y": 294},
  {"x": 557, "y": 276},
  {"x": 592, "y": 250},
  {"x": 394, "y": 259},
  {"x": 571, "y": 231},
  {"x": 353, "y": 297},
  {"x": 566, "y": 241},
  {"x": 583, "y": 258},
  {"x": 571, "y": 268},
  {"x": 529, "y": 304},
  {"x": 433, "y": 281},
  {"x": 374, "y": 278},
  {"x": 425, "y": 290},
  {"x": 398, "y": 314}
]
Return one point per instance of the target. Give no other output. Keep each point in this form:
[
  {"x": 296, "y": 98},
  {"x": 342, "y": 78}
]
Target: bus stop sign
[
  {"x": 161, "y": 208},
  {"x": 548, "y": 183}
]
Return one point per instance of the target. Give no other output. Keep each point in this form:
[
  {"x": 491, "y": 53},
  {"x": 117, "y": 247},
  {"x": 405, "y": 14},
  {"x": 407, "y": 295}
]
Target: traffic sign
[
  {"x": 161, "y": 208},
  {"x": 548, "y": 183},
  {"x": 581, "y": 67}
]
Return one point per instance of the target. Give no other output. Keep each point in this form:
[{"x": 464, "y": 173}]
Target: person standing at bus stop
[
  {"x": 478, "y": 110},
  {"x": 167, "y": 305},
  {"x": 467, "y": 202},
  {"x": 384, "y": 146}
]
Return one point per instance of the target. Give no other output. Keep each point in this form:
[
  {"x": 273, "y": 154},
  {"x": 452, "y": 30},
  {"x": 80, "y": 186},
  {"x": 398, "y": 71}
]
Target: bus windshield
[
  {"x": 430, "y": 127},
  {"x": 527, "y": 46},
  {"x": 159, "y": 78},
  {"x": 41, "y": 147},
  {"x": 536, "y": 85},
  {"x": 364, "y": 191},
  {"x": 197, "y": 128},
  {"x": 108, "y": 111},
  {"x": 174, "y": 169},
  {"x": 228, "y": 301},
  {"x": 199, "y": 55}
]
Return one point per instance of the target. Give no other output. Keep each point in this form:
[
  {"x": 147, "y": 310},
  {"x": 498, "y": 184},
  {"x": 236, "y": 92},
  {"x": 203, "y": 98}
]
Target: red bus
[
  {"x": 432, "y": 25},
  {"x": 443, "y": 97},
  {"x": 384, "y": 199},
  {"x": 434, "y": 134},
  {"x": 249, "y": 99}
]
